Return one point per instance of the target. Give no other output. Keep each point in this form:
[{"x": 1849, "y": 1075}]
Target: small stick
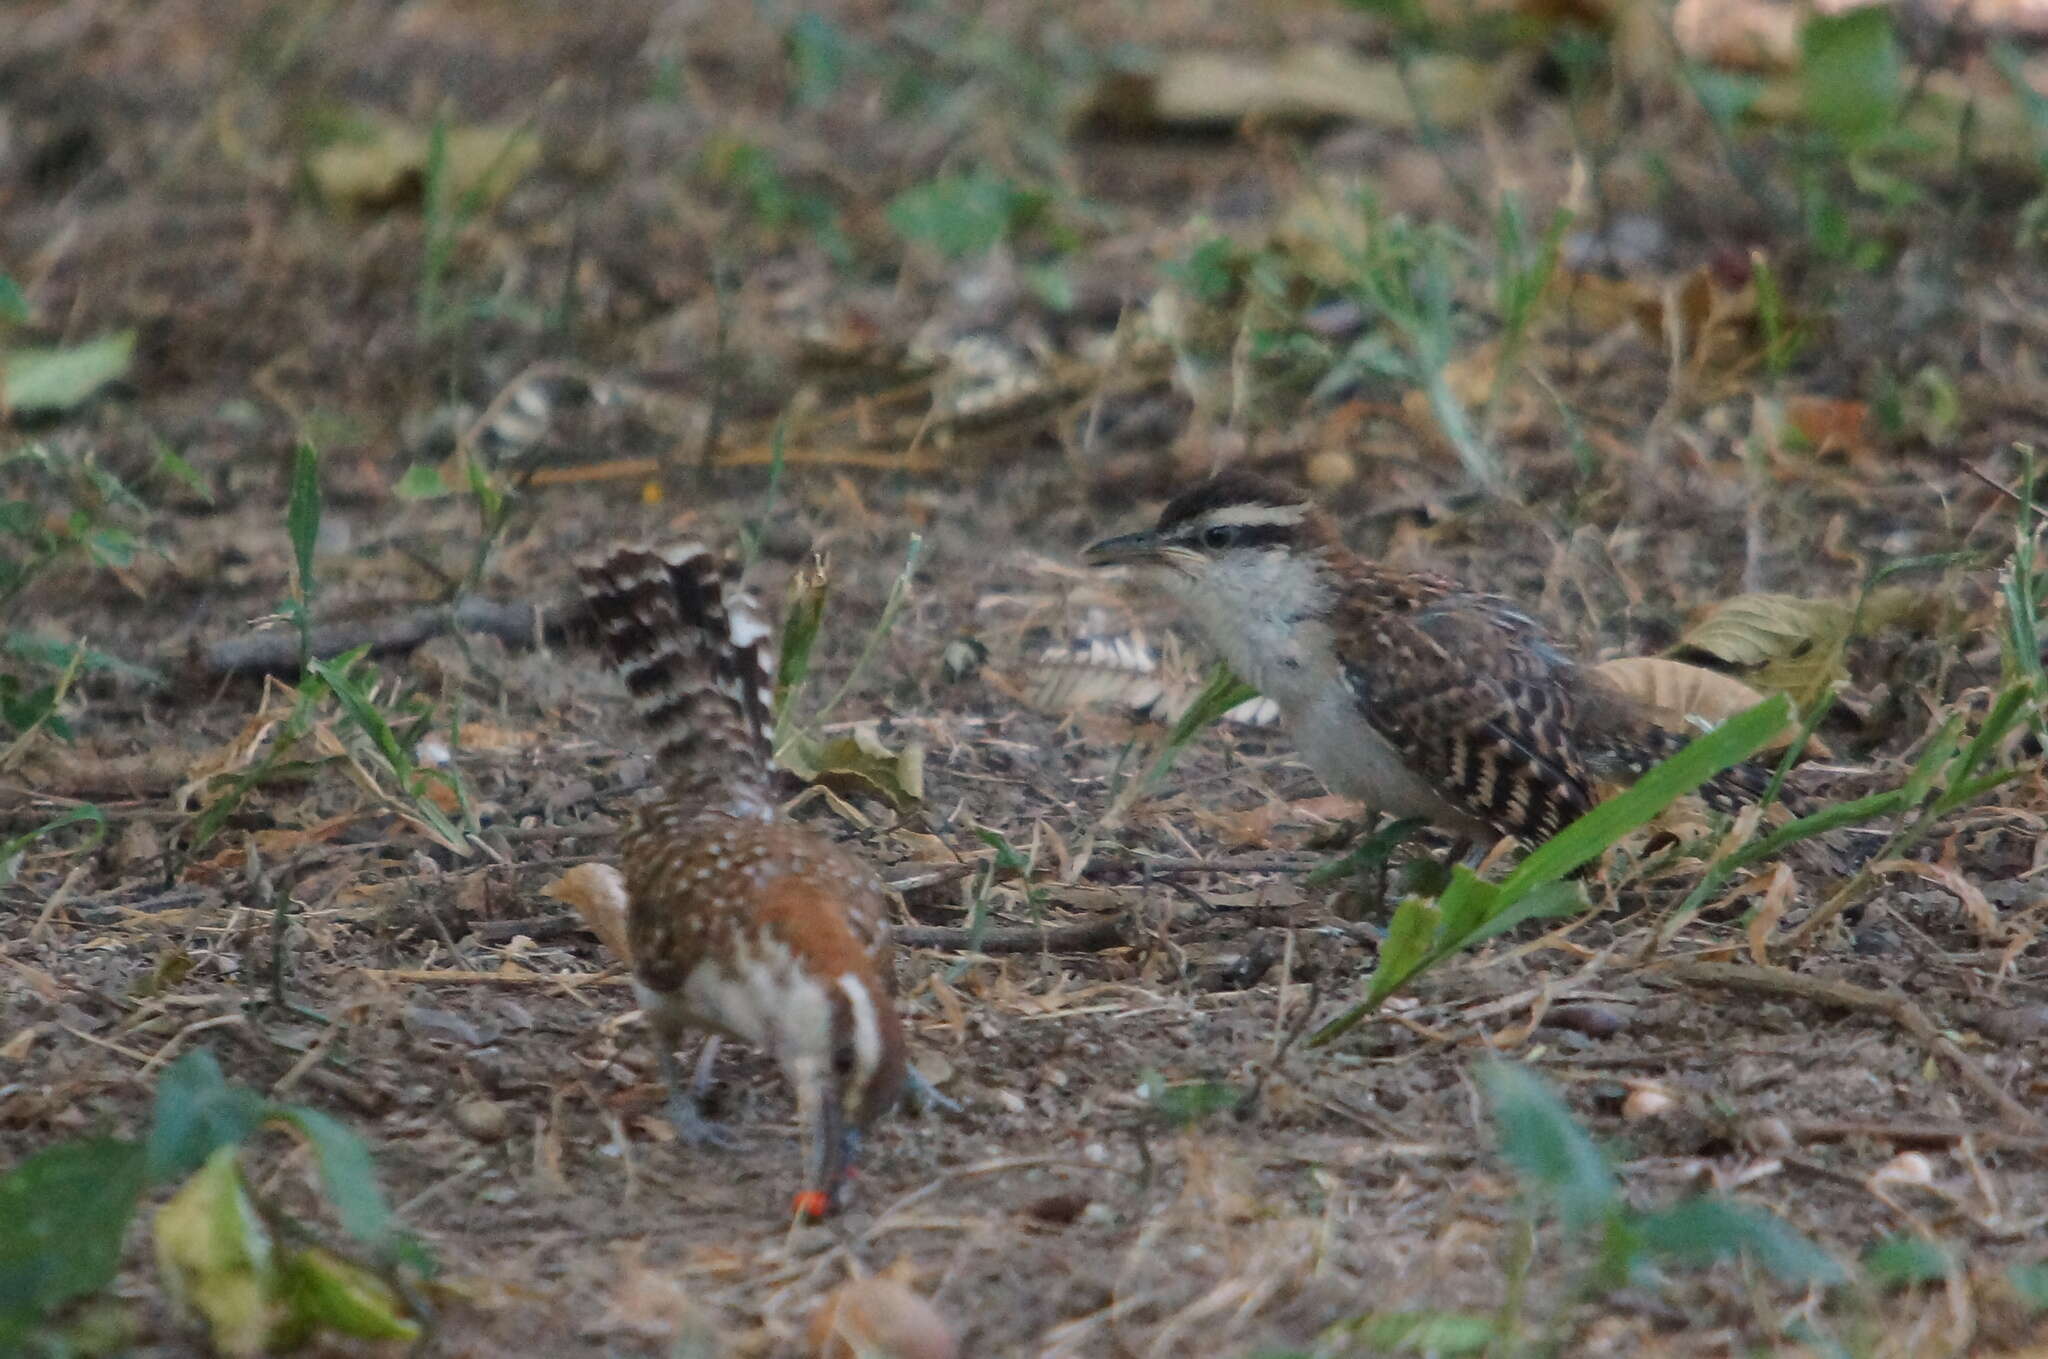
[
  {"x": 1776, "y": 981},
  {"x": 1091, "y": 937},
  {"x": 277, "y": 653}
]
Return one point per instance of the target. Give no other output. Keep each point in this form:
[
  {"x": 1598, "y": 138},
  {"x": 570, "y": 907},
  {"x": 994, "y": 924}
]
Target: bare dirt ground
[{"x": 154, "y": 174}]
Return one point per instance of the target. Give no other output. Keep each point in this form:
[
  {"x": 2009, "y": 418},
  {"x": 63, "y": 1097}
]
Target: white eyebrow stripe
[{"x": 1231, "y": 515}]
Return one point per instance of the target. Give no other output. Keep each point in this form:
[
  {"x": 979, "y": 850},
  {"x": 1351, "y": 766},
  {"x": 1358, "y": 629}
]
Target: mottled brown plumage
[
  {"x": 741, "y": 923},
  {"x": 1406, "y": 690}
]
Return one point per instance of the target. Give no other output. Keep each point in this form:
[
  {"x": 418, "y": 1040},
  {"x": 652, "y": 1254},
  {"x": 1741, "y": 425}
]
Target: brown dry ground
[{"x": 150, "y": 175}]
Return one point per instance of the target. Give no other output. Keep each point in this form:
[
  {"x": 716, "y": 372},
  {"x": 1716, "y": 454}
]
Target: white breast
[{"x": 1265, "y": 624}]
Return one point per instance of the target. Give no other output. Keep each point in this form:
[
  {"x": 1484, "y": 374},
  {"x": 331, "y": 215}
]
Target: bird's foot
[
  {"x": 924, "y": 1097},
  {"x": 693, "y": 1129}
]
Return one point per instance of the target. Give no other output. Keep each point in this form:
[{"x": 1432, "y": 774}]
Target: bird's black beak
[{"x": 1124, "y": 550}]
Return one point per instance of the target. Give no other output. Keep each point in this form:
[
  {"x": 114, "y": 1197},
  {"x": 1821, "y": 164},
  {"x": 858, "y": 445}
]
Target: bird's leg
[
  {"x": 684, "y": 1115},
  {"x": 1368, "y": 862}
]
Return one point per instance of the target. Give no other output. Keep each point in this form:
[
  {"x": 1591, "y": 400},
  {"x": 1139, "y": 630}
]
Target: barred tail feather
[
  {"x": 1732, "y": 789},
  {"x": 697, "y": 658}
]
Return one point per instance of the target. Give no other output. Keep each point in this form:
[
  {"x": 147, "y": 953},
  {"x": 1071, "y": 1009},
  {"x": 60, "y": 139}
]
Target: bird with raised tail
[
  {"x": 1405, "y": 690},
  {"x": 738, "y": 922}
]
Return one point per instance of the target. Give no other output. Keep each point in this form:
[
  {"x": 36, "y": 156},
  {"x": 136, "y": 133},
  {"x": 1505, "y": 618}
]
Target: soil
[{"x": 622, "y": 312}]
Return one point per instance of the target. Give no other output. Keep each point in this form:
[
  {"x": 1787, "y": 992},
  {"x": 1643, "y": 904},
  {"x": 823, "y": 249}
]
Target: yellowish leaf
[
  {"x": 1790, "y": 645},
  {"x": 1769, "y": 911},
  {"x": 859, "y": 762},
  {"x": 216, "y": 1258},
  {"x": 389, "y": 165},
  {"x": 1689, "y": 699}
]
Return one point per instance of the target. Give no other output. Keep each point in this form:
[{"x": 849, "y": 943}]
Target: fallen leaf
[
  {"x": 388, "y": 165},
  {"x": 1830, "y": 425},
  {"x": 597, "y": 892},
  {"x": 1791, "y": 645},
  {"x": 1764, "y": 922},
  {"x": 1690, "y": 699},
  {"x": 859, "y": 761},
  {"x": 1304, "y": 83},
  {"x": 1975, "y": 904}
]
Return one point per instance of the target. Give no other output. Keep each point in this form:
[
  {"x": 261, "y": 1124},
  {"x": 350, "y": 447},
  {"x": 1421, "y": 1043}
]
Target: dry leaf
[
  {"x": 1791, "y": 645},
  {"x": 1689, "y": 699},
  {"x": 1305, "y": 83},
  {"x": 1829, "y": 424},
  {"x": 389, "y": 165},
  {"x": 1764, "y": 923},
  {"x": 598, "y": 894},
  {"x": 1975, "y": 904},
  {"x": 879, "y": 1318},
  {"x": 859, "y": 762}
]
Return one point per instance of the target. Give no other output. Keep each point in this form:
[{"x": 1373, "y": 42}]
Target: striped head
[
  {"x": 698, "y": 660},
  {"x": 1244, "y": 555}
]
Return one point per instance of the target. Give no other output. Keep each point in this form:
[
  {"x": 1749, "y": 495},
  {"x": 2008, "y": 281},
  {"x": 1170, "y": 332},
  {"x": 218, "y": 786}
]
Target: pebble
[{"x": 483, "y": 1119}]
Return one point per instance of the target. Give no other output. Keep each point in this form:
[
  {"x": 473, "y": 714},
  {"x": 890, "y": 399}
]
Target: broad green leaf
[
  {"x": 1704, "y": 1229},
  {"x": 1468, "y": 901},
  {"x": 302, "y": 517},
  {"x": 802, "y": 618},
  {"x": 215, "y": 1257},
  {"x": 1902, "y": 1260},
  {"x": 1554, "y": 1156},
  {"x": 323, "y": 1291},
  {"x": 1850, "y": 72},
  {"x": 197, "y": 1114},
  {"x": 63, "y": 1214},
  {"x": 47, "y": 380},
  {"x": 1409, "y": 936},
  {"x": 346, "y": 1172},
  {"x": 13, "y": 303}
]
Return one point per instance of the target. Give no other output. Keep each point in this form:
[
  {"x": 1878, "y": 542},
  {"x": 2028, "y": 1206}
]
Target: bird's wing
[{"x": 1475, "y": 698}]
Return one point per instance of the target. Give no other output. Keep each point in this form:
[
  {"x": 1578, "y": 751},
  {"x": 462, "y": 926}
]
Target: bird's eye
[
  {"x": 1218, "y": 536},
  {"x": 842, "y": 1061}
]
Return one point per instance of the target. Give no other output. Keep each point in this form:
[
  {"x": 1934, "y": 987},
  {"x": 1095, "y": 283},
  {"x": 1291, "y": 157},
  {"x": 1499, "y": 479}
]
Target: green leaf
[
  {"x": 47, "y": 380},
  {"x": 1850, "y": 72},
  {"x": 56, "y": 654},
  {"x": 802, "y": 619},
  {"x": 1187, "y": 1103},
  {"x": 172, "y": 464},
  {"x": 963, "y": 215},
  {"x": 1902, "y": 1260},
  {"x": 1704, "y": 1229},
  {"x": 346, "y": 1172},
  {"x": 1409, "y": 936},
  {"x": 13, "y": 303},
  {"x": 363, "y": 712},
  {"x": 216, "y": 1257},
  {"x": 1428, "y": 1333},
  {"x": 422, "y": 481},
  {"x": 302, "y": 517},
  {"x": 12, "y": 850},
  {"x": 321, "y": 1289},
  {"x": 1554, "y": 1156},
  {"x": 63, "y": 1214},
  {"x": 198, "y": 1113}
]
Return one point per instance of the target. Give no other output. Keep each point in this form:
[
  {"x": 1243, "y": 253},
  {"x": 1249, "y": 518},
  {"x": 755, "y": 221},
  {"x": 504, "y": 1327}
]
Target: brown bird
[
  {"x": 1405, "y": 690},
  {"x": 741, "y": 923}
]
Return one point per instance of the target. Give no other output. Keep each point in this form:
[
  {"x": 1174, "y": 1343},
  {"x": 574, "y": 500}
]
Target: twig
[
  {"x": 1776, "y": 981},
  {"x": 1087, "y": 938},
  {"x": 277, "y": 653}
]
